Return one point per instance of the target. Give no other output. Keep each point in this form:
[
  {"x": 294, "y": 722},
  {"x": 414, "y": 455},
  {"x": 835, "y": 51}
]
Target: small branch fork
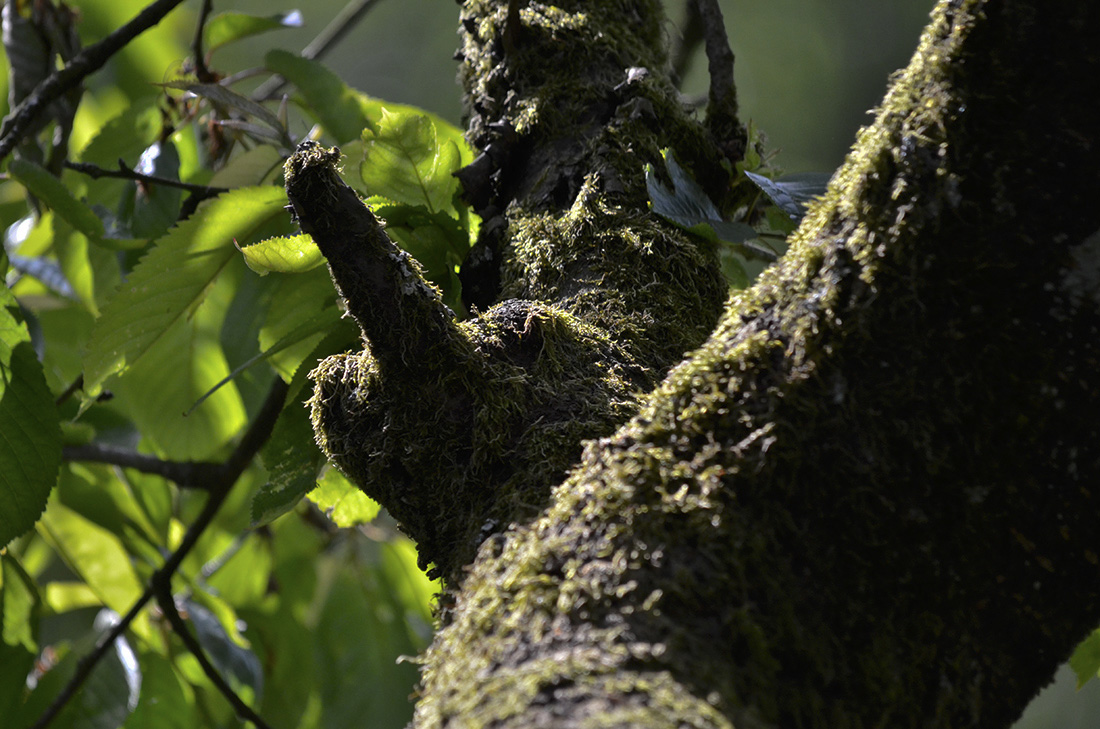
[
  {"x": 218, "y": 480},
  {"x": 87, "y": 62}
]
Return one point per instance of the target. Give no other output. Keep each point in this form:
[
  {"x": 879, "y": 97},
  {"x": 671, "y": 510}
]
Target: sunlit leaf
[
  {"x": 30, "y": 449},
  {"x": 342, "y": 500},
  {"x": 301, "y": 313},
  {"x": 171, "y": 281},
  {"x": 342, "y": 111},
  {"x": 284, "y": 254},
  {"x": 403, "y": 161},
  {"x": 225, "y": 28},
  {"x": 1085, "y": 660},
  {"x": 94, "y": 554}
]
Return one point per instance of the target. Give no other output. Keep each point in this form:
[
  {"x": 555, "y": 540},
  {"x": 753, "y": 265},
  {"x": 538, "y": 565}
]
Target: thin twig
[
  {"x": 186, "y": 474},
  {"x": 87, "y": 62},
  {"x": 344, "y": 21},
  {"x": 202, "y": 72},
  {"x": 125, "y": 172},
  {"x": 167, "y": 602},
  {"x": 250, "y": 444}
]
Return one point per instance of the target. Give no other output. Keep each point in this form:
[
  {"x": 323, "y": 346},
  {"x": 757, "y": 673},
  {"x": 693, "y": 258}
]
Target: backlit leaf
[
  {"x": 50, "y": 190},
  {"x": 342, "y": 500},
  {"x": 171, "y": 280},
  {"x": 284, "y": 254},
  {"x": 30, "y": 449}
]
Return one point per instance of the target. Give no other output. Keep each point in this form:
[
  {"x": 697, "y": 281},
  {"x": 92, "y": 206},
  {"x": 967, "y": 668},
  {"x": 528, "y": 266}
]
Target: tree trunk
[{"x": 865, "y": 500}]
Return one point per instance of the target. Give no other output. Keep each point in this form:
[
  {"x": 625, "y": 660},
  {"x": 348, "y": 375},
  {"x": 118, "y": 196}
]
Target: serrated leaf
[
  {"x": 30, "y": 449},
  {"x": 403, "y": 161},
  {"x": 292, "y": 461},
  {"x": 172, "y": 279},
  {"x": 221, "y": 95},
  {"x": 225, "y": 28},
  {"x": 792, "y": 193},
  {"x": 50, "y": 190},
  {"x": 283, "y": 254},
  {"x": 1085, "y": 660},
  {"x": 344, "y": 503}
]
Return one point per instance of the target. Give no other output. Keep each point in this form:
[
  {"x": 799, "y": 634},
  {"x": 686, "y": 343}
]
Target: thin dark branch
[
  {"x": 719, "y": 55},
  {"x": 202, "y": 72},
  {"x": 340, "y": 25},
  {"x": 127, "y": 173},
  {"x": 228, "y": 473},
  {"x": 87, "y": 62},
  {"x": 691, "y": 35},
  {"x": 186, "y": 474},
  {"x": 167, "y": 602}
]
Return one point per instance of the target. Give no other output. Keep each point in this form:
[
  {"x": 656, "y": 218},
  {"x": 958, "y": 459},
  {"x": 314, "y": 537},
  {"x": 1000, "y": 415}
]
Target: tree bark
[{"x": 867, "y": 499}]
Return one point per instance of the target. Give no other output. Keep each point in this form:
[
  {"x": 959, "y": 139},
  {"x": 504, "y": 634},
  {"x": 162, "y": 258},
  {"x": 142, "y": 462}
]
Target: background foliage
[{"x": 153, "y": 320}]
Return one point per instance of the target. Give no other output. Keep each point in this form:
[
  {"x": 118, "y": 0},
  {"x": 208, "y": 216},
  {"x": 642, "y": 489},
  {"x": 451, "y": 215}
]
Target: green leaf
[
  {"x": 1085, "y": 660},
  {"x": 152, "y": 209},
  {"x": 342, "y": 500},
  {"x": 164, "y": 702},
  {"x": 301, "y": 313},
  {"x": 95, "y": 555},
  {"x": 687, "y": 205},
  {"x": 19, "y": 612},
  {"x": 292, "y": 461},
  {"x": 403, "y": 161},
  {"x": 50, "y": 190},
  {"x": 284, "y": 254},
  {"x": 171, "y": 280},
  {"x": 30, "y": 449},
  {"x": 225, "y": 28},
  {"x": 342, "y": 111},
  {"x": 792, "y": 193}
]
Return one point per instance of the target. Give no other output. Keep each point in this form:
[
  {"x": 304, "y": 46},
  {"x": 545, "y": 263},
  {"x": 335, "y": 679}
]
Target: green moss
[{"x": 834, "y": 513}]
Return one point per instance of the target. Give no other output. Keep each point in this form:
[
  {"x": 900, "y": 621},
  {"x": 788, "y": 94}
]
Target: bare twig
[
  {"x": 202, "y": 72},
  {"x": 87, "y": 62},
  {"x": 163, "y": 590},
  {"x": 125, "y": 172},
  {"x": 340, "y": 25},
  {"x": 186, "y": 474},
  {"x": 228, "y": 473}
]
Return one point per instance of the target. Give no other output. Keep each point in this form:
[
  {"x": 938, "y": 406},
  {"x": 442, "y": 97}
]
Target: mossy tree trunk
[{"x": 868, "y": 499}]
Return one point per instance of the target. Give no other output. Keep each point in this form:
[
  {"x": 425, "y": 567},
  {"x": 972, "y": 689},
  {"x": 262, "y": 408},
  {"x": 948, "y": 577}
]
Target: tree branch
[
  {"x": 202, "y": 72},
  {"x": 163, "y": 590},
  {"x": 125, "y": 172},
  {"x": 224, "y": 479},
  {"x": 88, "y": 61},
  {"x": 187, "y": 474}
]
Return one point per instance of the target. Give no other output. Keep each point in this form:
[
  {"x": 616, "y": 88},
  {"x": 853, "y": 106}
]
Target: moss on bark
[
  {"x": 461, "y": 428},
  {"x": 868, "y": 500}
]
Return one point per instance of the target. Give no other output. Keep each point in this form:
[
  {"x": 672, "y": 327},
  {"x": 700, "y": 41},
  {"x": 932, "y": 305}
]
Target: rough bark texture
[{"x": 868, "y": 499}]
